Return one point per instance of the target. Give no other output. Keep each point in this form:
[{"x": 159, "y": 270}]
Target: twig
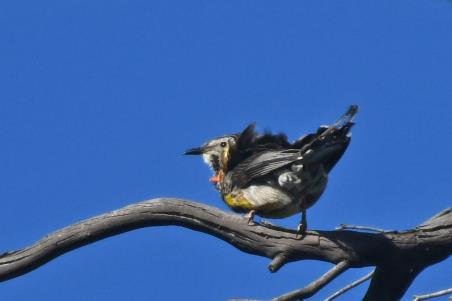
[
  {"x": 316, "y": 285},
  {"x": 349, "y": 287},
  {"x": 433, "y": 295},
  {"x": 365, "y": 228},
  {"x": 277, "y": 262}
]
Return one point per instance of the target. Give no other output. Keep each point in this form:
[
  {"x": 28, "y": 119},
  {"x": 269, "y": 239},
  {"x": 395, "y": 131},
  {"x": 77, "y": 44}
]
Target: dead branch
[
  {"x": 433, "y": 295},
  {"x": 349, "y": 287},
  {"x": 363, "y": 228},
  {"x": 316, "y": 285},
  {"x": 398, "y": 256}
]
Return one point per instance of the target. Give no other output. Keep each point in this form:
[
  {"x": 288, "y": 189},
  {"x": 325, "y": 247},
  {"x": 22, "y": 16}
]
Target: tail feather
[
  {"x": 329, "y": 143},
  {"x": 339, "y": 129},
  {"x": 347, "y": 118}
]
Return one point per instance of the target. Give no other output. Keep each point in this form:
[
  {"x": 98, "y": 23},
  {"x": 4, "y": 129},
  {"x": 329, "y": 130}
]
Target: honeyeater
[{"x": 267, "y": 175}]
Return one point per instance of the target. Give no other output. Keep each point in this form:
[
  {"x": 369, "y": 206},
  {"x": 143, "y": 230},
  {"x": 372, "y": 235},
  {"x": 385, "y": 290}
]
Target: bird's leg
[
  {"x": 303, "y": 225},
  {"x": 250, "y": 216}
]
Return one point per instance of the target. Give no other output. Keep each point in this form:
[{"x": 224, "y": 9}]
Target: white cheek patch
[
  {"x": 212, "y": 159},
  {"x": 207, "y": 159}
]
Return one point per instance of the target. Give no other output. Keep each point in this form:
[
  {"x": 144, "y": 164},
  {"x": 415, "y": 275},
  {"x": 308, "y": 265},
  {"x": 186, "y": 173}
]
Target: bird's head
[{"x": 218, "y": 152}]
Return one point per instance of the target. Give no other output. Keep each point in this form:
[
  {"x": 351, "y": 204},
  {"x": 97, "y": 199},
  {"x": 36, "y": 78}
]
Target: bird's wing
[
  {"x": 325, "y": 147},
  {"x": 261, "y": 164}
]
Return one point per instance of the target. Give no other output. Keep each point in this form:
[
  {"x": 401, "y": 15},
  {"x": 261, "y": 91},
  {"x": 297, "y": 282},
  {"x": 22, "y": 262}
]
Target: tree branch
[
  {"x": 349, "y": 287},
  {"x": 364, "y": 228},
  {"x": 316, "y": 285},
  {"x": 433, "y": 295},
  {"x": 398, "y": 256}
]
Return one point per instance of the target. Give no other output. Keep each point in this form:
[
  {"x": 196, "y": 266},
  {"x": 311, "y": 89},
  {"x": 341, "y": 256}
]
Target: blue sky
[{"x": 99, "y": 99}]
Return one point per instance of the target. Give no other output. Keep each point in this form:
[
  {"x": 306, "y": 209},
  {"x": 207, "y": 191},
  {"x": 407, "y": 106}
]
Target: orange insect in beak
[{"x": 218, "y": 177}]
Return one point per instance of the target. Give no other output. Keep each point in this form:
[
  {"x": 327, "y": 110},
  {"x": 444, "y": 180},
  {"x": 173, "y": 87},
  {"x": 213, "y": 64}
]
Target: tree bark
[{"x": 398, "y": 256}]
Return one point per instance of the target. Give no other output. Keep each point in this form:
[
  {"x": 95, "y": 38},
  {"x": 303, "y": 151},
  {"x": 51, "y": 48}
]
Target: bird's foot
[
  {"x": 250, "y": 217},
  {"x": 301, "y": 230}
]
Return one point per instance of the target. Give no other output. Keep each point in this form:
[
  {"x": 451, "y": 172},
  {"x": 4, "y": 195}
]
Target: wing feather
[{"x": 261, "y": 164}]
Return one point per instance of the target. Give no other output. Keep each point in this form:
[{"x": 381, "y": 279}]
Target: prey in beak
[
  {"x": 216, "y": 154},
  {"x": 217, "y": 178}
]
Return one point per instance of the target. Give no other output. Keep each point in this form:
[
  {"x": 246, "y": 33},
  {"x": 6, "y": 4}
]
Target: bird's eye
[{"x": 223, "y": 144}]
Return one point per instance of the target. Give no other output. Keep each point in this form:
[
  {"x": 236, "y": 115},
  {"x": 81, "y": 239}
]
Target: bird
[{"x": 266, "y": 175}]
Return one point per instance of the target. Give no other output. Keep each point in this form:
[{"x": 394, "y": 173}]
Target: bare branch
[
  {"x": 316, "y": 285},
  {"x": 349, "y": 287},
  {"x": 433, "y": 295},
  {"x": 277, "y": 262},
  {"x": 398, "y": 256},
  {"x": 232, "y": 228},
  {"x": 365, "y": 228}
]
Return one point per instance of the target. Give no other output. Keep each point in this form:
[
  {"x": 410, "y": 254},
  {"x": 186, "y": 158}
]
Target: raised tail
[
  {"x": 329, "y": 143},
  {"x": 347, "y": 118}
]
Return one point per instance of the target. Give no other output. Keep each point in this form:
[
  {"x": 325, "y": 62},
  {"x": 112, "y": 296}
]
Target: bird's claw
[
  {"x": 301, "y": 230},
  {"x": 250, "y": 217}
]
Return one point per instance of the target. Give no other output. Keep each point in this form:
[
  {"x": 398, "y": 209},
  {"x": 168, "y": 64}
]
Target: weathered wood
[
  {"x": 406, "y": 253},
  {"x": 316, "y": 285},
  {"x": 349, "y": 287}
]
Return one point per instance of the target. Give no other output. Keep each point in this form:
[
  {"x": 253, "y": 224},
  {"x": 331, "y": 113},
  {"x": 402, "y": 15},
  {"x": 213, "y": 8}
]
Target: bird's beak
[{"x": 194, "y": 151}]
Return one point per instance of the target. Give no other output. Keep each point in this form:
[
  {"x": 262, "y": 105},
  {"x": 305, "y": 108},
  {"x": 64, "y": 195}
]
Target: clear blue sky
[{"x": 99, "y": 99}]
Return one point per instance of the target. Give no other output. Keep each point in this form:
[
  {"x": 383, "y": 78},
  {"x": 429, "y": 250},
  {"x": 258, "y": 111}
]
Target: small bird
[{"x": 265, "y": 174}]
